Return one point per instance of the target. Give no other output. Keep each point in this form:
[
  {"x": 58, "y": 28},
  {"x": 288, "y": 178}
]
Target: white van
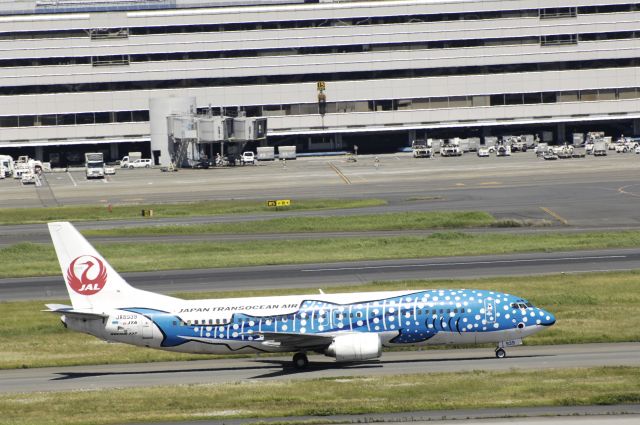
[{"x": 140, "y": 163}]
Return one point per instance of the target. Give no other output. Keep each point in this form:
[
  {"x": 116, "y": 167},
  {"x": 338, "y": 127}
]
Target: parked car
[
  {"x": 550, "y": 155},
  {"x": 248, "y": 157},
  {"x": 109, "y": 170},
  {"x": 140, "y": 163},
  {"x": 484, "y": 151}
]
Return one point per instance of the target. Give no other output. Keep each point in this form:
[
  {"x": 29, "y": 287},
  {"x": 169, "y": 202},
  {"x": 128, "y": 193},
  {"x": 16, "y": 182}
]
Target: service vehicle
[
  {"x": 600, "y": 148},
  {"x": 622, "y": 148},
  {"x": 483, "y": 151},
  {"x": 637, "y": 150},
  {"x": 248, "y": 157},
  {"x": 503, "y": 149},
  {"x": 549, "y": 155},
  {"x": 109, "y": 170},
  {"x": 140, "y": 163},
  {"x": 451, "y": 148},
  {"x": 6, "y": 163},
  {"x": 94, "y": 165},
  {"x": 126, "y": 160},
  {"x": 28, "y": 177}
]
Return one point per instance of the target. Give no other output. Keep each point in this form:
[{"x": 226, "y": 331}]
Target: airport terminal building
[{"x": 78, "y": 75}]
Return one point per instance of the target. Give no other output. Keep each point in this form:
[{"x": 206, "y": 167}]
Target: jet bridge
[{"x": 192, "y": 138}]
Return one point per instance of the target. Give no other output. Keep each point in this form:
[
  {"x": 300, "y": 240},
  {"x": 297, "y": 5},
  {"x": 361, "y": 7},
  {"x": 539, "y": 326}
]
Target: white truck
[
  {"x": 6, "y": 166},
  {"x": 94, "y": 165},
  {"x": 600, "y": 148},
  {"x": 129, "y": 159},
  {"x": 451, "y": 148},
  {"x": 421, "y": 149}
]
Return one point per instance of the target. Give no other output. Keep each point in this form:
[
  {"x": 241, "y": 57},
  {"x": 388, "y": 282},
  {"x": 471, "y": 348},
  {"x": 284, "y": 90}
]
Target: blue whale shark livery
[{"x": 349, "y": 327}]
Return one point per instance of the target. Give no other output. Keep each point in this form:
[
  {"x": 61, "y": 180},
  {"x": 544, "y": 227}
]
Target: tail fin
[{"x": 91, "y": 282}]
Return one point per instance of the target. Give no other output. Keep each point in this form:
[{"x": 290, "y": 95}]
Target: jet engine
[{"x": 354, "y": 347}]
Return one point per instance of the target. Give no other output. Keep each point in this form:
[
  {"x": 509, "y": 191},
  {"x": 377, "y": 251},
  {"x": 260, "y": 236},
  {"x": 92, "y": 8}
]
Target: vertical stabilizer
[{"x": 91, "y": 282}]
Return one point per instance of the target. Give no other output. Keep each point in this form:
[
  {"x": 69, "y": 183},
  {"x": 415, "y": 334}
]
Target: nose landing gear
[{"x": 500, "y": 353}]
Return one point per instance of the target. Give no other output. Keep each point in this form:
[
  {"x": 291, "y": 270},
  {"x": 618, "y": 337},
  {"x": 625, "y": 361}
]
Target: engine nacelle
[{"x": 354, "y": 347}]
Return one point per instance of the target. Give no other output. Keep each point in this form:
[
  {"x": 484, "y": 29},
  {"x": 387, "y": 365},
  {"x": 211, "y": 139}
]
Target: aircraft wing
[
  {"x": 67, "y": 310},
  {"x": 296, "y": 341}
]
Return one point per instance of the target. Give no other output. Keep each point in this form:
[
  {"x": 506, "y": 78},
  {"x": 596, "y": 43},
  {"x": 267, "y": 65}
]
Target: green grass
[
  {"x": 36, "y": 259},
  {"x": 204, "y": 208},
  {"x": 330, "y": 396},
  {"x": 358, "y": 223},
  {"x": 586, "y": 306}
]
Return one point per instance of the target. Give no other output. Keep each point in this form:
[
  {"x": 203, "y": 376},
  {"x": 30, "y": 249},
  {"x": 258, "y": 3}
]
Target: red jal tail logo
[{"x": 87, "y": 275}]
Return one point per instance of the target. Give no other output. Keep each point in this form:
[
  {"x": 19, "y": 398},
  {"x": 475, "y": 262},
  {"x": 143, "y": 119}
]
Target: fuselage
[{"x": 240, "y": 325}]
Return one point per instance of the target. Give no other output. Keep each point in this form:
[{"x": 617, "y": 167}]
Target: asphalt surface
[
  {"x": 262, "y": 368},
  {"x": 582, "y": 192},
  {"x": 572, "y": 195},
  {"x": 322, "y": 275},
  {"x": 561, "y": 415}
]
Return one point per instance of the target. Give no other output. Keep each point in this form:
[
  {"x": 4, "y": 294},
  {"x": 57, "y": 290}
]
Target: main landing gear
[
  {"x": 300, "y": 361},
  {"x": 500, "y": 353}
]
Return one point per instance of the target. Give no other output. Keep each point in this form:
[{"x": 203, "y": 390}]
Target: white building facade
[{"x": 82, "y": 74}]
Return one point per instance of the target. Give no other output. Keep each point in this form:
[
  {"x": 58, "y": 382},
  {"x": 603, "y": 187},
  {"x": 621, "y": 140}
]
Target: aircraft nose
[{"x": 547, "y": 319}]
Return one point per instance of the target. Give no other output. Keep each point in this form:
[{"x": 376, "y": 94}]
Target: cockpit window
[{"x": 529, "y": 305}]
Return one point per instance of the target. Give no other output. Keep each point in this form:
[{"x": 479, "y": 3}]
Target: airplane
[{"x": 350, "y": 327}]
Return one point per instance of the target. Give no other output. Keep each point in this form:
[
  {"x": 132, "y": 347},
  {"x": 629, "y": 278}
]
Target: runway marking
[
  {"x": 622, "y": 191},
  {"x": 488, "y": 183},
  {"x": 555, "y": 215},
  {"x": 72, "y": 180},
  {"x": 339, "y": 173},
  {"x": 464, "y": 263}
]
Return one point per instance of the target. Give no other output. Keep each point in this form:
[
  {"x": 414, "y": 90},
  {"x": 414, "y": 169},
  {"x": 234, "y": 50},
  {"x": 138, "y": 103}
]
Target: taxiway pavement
[
  {"x": 273, "y": 368},
  {"x": 322, "y": 275}
]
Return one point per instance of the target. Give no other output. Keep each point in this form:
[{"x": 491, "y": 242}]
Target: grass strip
[
  {"x": 329, "y": 396},
  {"x": 358, "y": 223},
  {"x": 40, "y": 260},
  {"x": 587, "y": 307},
  {"x": 187, "y": 209}
]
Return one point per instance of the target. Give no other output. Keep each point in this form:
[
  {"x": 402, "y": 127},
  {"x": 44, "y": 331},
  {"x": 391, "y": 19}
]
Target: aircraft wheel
[
  {"x": 500, "y": 353},
  {"x": 300, "y": 360}
]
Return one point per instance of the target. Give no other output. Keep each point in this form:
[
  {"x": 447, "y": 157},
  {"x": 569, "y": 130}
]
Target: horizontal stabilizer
[{"x": 67, "y": 310}]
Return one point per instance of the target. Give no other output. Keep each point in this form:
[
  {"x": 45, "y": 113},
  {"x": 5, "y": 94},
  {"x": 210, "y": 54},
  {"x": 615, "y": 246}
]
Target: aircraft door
[
  {"x": 489, "y": 310},
  {"x": 147, "y": 328}
]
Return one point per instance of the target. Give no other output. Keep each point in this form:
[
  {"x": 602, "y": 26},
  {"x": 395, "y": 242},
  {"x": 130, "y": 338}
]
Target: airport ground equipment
[
  {"x": 600, "y": 148},
  {"x": 287, "y": 152},
  {"x": 6, "y": 166},
  {"x": 126, "y": 160},
  {"x": 421, "y": 149},
  {"x": 266, "y": 153},
  {"x": 94, "y": 165},
  {"x": 451, "y": 148}
]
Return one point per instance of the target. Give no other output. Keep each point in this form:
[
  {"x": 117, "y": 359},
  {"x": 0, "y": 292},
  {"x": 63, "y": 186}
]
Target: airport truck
[
  {"x": 6, "y": 166},
  {"x": 600, "y": 148},
  {"x": 129, "y": 159},
  {"x": 94, "y": 165},
  {"x": 421, "y": 149}
]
